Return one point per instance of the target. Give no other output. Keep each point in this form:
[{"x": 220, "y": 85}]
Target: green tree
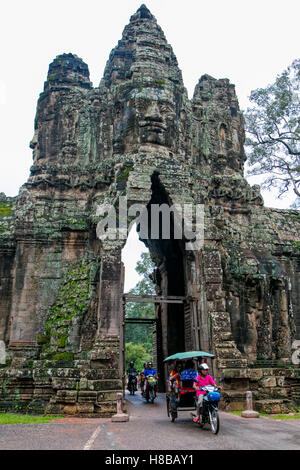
[
  {"x": 273, "y": 132},
  {"x": 145, "y": 268},
  {"x": 138, "y": 354},
  {"x": 141, "y": 334}
]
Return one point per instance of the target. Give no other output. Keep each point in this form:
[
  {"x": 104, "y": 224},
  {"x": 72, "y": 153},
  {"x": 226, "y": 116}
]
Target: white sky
[{"x": 248, "y": 42}]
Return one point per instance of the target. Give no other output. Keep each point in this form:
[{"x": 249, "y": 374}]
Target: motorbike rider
[
  {"x": 189, "y": 372},
  {"x": 142, "y": 378},
  {"x": 131, "y": 372},
  {"x": 174, "y": 377},
  {"x": 150, "y": 371},
  {"x": 202, "y": 380}
]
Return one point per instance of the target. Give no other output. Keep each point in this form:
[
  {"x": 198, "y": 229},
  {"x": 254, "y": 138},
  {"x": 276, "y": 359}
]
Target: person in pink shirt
[{"x": 202, "y": 380}]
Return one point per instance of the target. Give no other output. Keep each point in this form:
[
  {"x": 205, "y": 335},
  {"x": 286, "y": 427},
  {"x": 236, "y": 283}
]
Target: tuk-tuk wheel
[{"x": 171, "y": 413}]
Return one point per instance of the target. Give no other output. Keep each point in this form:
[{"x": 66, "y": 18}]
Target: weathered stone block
[
  {"x": 41, "y": 373},
  {"x": 83, "y": 384},
  {"x": 213, "y": 292},
  {"x": 107, "y": 396},
  {"x": 99, "y": 373},
  {"x": 280, "y": 381},
  {"x": 42, "y": 381},
  {"x": 66, "y": 396},
  {"x": 104, "y": 385},
  {"x": 255, "y": 374},
  {"x": 235, "y": 373},
  {"x": 85, "y": 408},
  {"x": 279, "y": 392},
  {"x": 60, "y": 384},
  {"x": 87, "y": 396},
  {"x": 66, "y": 373},
  {"x": 228, "y": 363},
  {"x": 273, "y": 406},
  {"x": 268, "y": 382},
  {"x": 70, "y": 409},
  {"x": 106, "y": 409},
  {"x": 54, "y": 408}
]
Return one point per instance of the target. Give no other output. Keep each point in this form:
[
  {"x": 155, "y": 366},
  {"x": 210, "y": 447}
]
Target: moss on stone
[
  {"x": 43, "y": 339},
  {"x": 66, "y": 356},
  {"x": 5, "y": 209},
  {"x": 160, "y": 82},
  {"x": 72, "y": 303},
  {"x": 124, "y": 175},
  {"x": 62, "y": 341}
]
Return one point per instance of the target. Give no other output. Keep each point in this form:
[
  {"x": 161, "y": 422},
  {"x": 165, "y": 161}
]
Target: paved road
[{"x": 149, "y": 428}]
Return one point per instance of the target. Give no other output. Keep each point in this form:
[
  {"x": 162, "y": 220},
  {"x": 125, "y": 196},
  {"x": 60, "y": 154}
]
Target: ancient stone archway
[{"x": 139, "y": 136}]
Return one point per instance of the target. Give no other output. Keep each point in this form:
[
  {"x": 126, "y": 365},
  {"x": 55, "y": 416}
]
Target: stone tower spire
[
  {"x": 68, "y": 70},
  {"x": 146, "y": 84},
  {"x": 143, "y": 12},
  {"x": 142, "y": 52}
]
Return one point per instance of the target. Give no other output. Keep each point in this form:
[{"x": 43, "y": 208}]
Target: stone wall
[{"x": 138, "y": 136}]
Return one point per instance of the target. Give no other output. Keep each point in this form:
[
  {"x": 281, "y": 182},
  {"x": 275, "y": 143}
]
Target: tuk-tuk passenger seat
[{"x": 187, "y": 386}]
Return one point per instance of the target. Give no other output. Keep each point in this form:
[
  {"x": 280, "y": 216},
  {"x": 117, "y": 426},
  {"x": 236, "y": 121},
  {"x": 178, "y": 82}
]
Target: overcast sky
[{"x": 248, "y": 42}]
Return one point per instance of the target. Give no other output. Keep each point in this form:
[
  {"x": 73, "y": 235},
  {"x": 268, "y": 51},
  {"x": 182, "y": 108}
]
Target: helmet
[
  {"x": 203, "y": 366},
  {"x": 149, "y": 363},
  {"x": 131, "y": 363}
]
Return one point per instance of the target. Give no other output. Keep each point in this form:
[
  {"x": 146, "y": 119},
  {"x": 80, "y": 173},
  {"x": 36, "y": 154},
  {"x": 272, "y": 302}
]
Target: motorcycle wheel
[
  {"x": 152, "y": 395},
  {"x": 214, "y": 421}
]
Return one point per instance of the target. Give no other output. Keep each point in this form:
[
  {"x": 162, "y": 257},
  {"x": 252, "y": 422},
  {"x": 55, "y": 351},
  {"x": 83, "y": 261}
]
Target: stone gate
[{"x": 138, "y": 135}]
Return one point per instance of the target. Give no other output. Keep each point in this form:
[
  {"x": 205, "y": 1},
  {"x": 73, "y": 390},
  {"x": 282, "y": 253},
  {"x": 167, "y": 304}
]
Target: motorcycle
[
  {"x": 132, "y": 383},
  {"x": 209, "y": 411},
  {"x": 150, "y": 392}
]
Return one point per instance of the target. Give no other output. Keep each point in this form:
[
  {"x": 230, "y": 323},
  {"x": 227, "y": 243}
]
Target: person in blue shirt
[{"x": 150, "y": 371}]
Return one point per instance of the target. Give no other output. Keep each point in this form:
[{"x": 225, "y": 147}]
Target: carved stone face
[
  {"x": 33, "y": 145},
  {"x": 147, "y": 115}
]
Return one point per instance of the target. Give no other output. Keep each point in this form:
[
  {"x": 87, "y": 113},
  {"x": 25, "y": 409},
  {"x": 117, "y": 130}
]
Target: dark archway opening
[{"x": 169, "y": 278}]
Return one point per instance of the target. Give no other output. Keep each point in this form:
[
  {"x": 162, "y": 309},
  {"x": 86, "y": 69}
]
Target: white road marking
[{"x": 92, "y": 439}]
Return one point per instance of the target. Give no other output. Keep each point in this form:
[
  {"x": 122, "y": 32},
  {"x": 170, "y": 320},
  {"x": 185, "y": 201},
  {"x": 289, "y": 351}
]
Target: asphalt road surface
[{"x": 149, "y": 428}]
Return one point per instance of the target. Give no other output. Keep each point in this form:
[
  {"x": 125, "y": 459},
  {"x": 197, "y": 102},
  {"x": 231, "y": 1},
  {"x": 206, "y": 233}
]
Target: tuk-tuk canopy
[{"x": 188, "y": 355}]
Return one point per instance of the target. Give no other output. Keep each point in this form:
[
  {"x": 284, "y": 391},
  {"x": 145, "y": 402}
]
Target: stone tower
[{"x": 138, "y": 136}]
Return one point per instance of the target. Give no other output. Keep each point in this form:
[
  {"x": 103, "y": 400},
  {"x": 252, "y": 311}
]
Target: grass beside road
[
  {"x": 13, "y": 418},
  {"x": 278, "y": 416}
]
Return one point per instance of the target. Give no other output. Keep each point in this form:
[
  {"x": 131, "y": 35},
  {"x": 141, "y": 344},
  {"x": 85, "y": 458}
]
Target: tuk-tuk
[{"x": 182, "y": 397}]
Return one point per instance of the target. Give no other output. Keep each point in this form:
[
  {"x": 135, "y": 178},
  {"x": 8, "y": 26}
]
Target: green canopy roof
[{"x": 188, "y": 355}]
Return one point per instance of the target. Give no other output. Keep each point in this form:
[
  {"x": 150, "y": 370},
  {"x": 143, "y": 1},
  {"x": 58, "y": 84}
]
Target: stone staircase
[
  {"x": 275, "y": 390},
  {"x": 84, "y": 386}
]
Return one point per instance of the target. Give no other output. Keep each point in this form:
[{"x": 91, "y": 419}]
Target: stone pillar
[
  {"x": 120, "y": 416},
  {"x": 111, "y": 291},
  {"x": 249, "y": 413},
  {"x": 24, "y": 299},
  {"x": 107, "y": 351},
  {"x": 7, "y": 256},
  {"x": 223, "y": 346}
]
